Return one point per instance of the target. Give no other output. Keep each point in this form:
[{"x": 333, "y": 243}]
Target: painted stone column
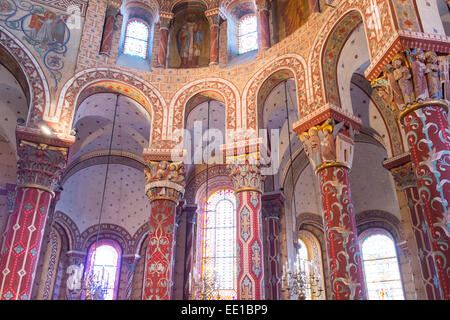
[
  {"x": 39, "y": 168},
  {"x": 164, "y": 23},
  {"x": 108, "y": 29},
  {"x": 213, "y": 19},
  {"x": 164, "y": 188},
  {"x": 263, "y": 16},
  {"x": 428, "y": 135},
  {"x": 405, "y": 178},
  {"x": 329, "y": 145},
  {"x": 191, "y": 218},
  {"x": 129, "y": 263},
  {"x": 245, "y": 172},
  {"x": 272, "y": 211},
  {"x": 417, "y": 83}
]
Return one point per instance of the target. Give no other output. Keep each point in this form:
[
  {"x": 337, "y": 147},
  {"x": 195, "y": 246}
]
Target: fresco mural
[
  {"x": 291, "y": 15},
  {"x": 190, "y": 40},
  {"x": 48, "y": 31}
]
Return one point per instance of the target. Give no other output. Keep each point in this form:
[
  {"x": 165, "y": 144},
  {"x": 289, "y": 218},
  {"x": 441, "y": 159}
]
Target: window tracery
[{"x": 247, "y": 34}]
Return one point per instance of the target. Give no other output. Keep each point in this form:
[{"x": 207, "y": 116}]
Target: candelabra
[
  {"x": 91, "y": 288},
  {"x": 305, "y": 285},
  {"x": 207, "y": 287}
]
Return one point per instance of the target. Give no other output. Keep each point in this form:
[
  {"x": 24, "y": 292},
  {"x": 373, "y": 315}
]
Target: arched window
[
  {"x": 136, "y": 39},
  {"x": 104, "y": 265},
  {"x": 304, "y": 263},
  {"x": 247, "y": 34},
  {"x": 219, "y": 243},
  {"x": 381, "y": 266}
]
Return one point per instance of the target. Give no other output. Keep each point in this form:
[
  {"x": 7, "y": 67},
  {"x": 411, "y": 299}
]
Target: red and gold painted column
[
  {"x": 213, "y": 19},
  {"x": 164, "y": 23},
  {"x": 245, "y": 172},
  {"x": 272, "y": 211},
  {"x": 328, "y": 143},
  {"x": 164, "y": 187},
  {"x": 39, "y": 169},
  {"x": 263, "y": 15},
  {"x": 416, "y": 80},
  {"x": 403, "y": 172},
  {"x": 428, "y": 134},
  {"x": 191, "y": 218}
]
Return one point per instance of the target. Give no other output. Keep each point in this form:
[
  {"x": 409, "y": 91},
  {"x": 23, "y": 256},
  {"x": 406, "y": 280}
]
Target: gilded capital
[
  {"x": 40, "y": 165},
  {"x": 164, "y": 180}
]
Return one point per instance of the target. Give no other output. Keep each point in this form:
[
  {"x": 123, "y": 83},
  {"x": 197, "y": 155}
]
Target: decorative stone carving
[
  {"x": 419, "y": 72},
  {"x": 433, "y": 76},
  {"x": 40, "y": 165},
  {"x": 403, "y": 76},
  {"x": 164, "y": 179}
]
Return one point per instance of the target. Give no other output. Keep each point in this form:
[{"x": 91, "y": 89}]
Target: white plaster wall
[
  {"x": 354, "y": 58},
  {"x": 430, "y": 16},
  {"x": 125, "y": 201},
  {"x": 372, "y": 186}
]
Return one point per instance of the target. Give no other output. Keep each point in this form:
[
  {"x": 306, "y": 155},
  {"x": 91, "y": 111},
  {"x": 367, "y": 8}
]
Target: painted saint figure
[
  {"x": 403, "y": 76},
  {"x": 189, "y": 41},
  {"x": 433, "y": 76},
  {"x": 419, "y": 71}
]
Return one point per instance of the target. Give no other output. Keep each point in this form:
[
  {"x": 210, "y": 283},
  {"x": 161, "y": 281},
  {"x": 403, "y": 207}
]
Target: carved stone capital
[
  {"x": 164, "y": 180},
  {"x": 273, "y": 205},
  {"x": 414, "y": 77},
  {"x": 40, "y": 165},
  {"x": 328, "y": 137},
  {"x": 246, "y": 176}
]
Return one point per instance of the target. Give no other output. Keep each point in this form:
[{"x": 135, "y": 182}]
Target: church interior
[{"x": 224, "y": 150}]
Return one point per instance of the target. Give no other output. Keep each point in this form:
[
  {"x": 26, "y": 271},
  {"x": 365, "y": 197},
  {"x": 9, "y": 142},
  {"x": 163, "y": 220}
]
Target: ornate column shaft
[
  {"x": 263, "y": 16},
  {"x": 213, "y": 19},
  {"x": 164, "y": 187},
  {"x": 108, "y": 29},
  {"x": 129, "y": 263},
  {"x": 417, "y": 83},
  {"x": 39, "y": 169},
  {"x": 191, "y": 212},
  {"x": 272, "y": 211},
  {"x": 164, "y": 23},
  {"x": 245, "y": 172},
  {"x": 405, "y": 179},
  {"x": 329, "y": 146}
]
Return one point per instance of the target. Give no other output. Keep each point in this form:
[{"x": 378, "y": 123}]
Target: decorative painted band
[
  {"x": 429, "y": 103},
  {"x": 332, "y": 164}
]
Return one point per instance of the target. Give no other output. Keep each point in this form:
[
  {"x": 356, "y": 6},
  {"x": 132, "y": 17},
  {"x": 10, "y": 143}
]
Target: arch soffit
[
  {"x": 379, "y": 27},
  {"x": 39, "y": 93},
  {"x": 107, "y": 231},
  {"x": 215, "y": 86},
  {"x": 290, "y": 62},
  {"x": 379, "y": 219},
  {"x": 118, "y": 81},
  {"x": 70, "y": 228}
]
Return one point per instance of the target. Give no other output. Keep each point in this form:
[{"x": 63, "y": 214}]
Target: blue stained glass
[
  {"x": 381, "y": 268},
  {"x": 136, "y": 39},
  {"x": 247, "y": 34}
]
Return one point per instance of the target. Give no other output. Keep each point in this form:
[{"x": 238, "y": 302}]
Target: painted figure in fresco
[
  {"x": 316, "y": 151},
  {"x": 108, "y": 30},
  {"x": 296, "y": 13},
  {"x": 47, "y": 28},
  {"x": 189, "y": 42},
  {"x": 4, "y": 6},
  {"x": 403, "y": 76},
  {"x": 433, "y": 76},
  {"x": 419, "y": 71}
]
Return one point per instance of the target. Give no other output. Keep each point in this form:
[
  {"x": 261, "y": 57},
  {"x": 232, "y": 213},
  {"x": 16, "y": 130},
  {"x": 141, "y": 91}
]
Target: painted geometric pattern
[
  {"x": 344, "y": 256},
  {"x": 406, "y": 15},
  {"x": 250, "y": 273},
  {"x": 158, "y": 269},
  {"x": 23, "y": 243},
  {"x": 428, "y": 135}
]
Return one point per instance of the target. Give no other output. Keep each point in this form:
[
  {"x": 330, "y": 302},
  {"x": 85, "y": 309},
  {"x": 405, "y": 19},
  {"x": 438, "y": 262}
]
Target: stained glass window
[
  {"x": 136, "y": 39},
  {"x": 381, "y": 268},
  {"x": 104, "y": 265},
  {"x": 219, "y": 250},
  {"x": 247, "y": 34}
]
